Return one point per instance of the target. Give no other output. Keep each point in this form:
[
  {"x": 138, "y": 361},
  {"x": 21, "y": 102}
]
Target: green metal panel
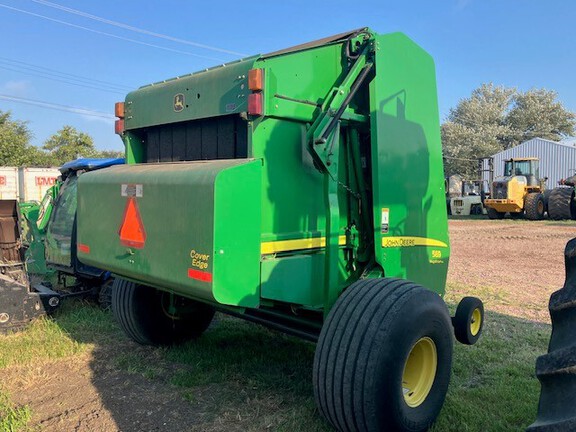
[
  {"x": 185, "y": 250},
  {"x": 214, "y": 92},
  {"x": 407, "y": 165},
  {"x": 295, "y": 279},
  {"x": 289, "y": 177},
  {"x": 296, "y": 84},
  {"x": 134, "y": 153},
  {"x": 237, "y": 215}
]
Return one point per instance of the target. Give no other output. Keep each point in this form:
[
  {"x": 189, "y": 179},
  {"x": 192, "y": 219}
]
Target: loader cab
[{"x": 527, "y": 167}]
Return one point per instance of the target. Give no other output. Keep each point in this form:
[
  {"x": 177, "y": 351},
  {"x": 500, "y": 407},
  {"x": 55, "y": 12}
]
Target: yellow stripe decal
[
  {"x": 298, "y": 244},
  {"x": 411, "y": 241}
]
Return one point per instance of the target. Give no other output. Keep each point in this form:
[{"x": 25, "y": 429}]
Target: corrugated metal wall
[{"x": 557, "y": 160}]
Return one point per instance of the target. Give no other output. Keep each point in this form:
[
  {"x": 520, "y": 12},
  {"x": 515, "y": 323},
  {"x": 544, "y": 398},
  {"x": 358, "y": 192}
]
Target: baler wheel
[
  {"x": 494, "y": 214},
  {"x": 384, "y": 356},
  {"x": 468, "y": 320},
  {"x": 534, "y": 206},
  {"x": 141, "y": 313}
]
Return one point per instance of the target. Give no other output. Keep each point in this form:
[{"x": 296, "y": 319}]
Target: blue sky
[{"x": 515, "y": 43}]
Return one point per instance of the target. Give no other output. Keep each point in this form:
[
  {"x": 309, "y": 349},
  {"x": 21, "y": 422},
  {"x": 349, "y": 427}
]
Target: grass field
[{"x": 263, "y": 379}]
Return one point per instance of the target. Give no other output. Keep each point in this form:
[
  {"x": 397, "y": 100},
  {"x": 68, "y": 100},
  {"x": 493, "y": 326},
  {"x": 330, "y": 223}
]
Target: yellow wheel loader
[{"x": 519, "y": 192}]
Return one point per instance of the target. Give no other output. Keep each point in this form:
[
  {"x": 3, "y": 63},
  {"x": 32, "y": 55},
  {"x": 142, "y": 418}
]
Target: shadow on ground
[{"x": 242, "y": 377}]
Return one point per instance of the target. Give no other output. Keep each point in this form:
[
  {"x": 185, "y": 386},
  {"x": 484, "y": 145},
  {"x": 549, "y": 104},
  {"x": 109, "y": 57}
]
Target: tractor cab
[
  {"x": 60, "y": 243},
  {"x": 527, "y": 167}
]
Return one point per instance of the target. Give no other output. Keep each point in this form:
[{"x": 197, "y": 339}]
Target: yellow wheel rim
[
  {"x": 419, "y": 372},
  {"x": 476, "y": 322}
]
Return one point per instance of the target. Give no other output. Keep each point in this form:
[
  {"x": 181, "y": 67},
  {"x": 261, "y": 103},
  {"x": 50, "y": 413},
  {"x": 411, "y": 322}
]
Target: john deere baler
[{"x": 303, "y": 190}]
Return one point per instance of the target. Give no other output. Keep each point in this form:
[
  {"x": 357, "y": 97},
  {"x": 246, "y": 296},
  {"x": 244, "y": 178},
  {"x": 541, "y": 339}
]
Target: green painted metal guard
[
  {"x": 199, "y": 227},
  {"x": 411, "y": 229}
]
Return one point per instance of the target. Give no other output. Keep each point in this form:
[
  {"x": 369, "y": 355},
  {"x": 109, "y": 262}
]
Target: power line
[
  {"x": 108, "y": 34},
  {"x": 135, "y": 29},
  {"x": 57, "y": 107},
  {"x": 33, "y": 73},
  {"x": 63, "y": 75}
]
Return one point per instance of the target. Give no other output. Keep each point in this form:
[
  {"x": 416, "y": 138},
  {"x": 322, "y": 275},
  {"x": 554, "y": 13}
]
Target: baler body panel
[
  {"x": 199, "y": 233},
  {"x": 411, "y": 229},
  {"x": 210, "y": 93}
]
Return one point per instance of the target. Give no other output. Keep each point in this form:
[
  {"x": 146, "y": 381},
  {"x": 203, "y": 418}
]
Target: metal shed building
[{"x": 557, "y": 160}]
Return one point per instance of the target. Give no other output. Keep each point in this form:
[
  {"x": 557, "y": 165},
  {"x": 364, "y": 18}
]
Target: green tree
[
  {"x": 68, "y": 144},
  {"x": 15, "y": 147},
  {"x": 495, "y": 118},
  {"x": 110, "y": 154},
  {"x": 537, "y": 113}
]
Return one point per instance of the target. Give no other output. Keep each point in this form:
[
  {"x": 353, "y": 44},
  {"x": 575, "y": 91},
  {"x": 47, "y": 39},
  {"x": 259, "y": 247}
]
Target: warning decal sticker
[
  {"x": 385, "y": 220},
  {"x": 132, "y": 190}
]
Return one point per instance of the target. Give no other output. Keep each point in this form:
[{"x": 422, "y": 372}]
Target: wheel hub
[
  {"x": 475, "y": 322},
  {"x": 419, "y": 372}
]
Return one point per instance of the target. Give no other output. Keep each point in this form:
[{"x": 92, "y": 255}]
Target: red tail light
[
  {"x": 119, "y": 126},
  {"x": 255, "y": 104}
]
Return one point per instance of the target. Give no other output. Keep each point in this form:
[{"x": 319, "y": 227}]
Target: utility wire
[
  {"x": 33, "y": 73},
  {"x": 108, "y": 34},
  {"x": 63, "y": 75},
  {"x": 135, "y": 29},
  {"x": 57, "y": 107}
]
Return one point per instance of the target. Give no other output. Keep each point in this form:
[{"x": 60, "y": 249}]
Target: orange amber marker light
[
  {"x": 256, "y": 79},
  {"x": 119, "y": 109}
]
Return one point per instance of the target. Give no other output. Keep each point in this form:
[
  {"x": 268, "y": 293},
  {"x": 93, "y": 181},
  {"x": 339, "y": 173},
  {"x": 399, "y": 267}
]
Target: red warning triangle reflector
[{"x": 132, "y": 233}]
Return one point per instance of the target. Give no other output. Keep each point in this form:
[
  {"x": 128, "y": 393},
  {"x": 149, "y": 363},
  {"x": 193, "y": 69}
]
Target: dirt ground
[{"x": 513, "y": 265}]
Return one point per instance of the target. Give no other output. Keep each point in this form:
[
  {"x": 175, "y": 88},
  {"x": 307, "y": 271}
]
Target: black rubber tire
[
  {"x": 363, "y": 348},
  {"x": 534, "y": 206},
  {"x": 546, "y": 195},
  {"x": 515, "y": 215},
  {"x": 140, "y": 313},
  {"x": 476, "y": 209},
  {"x": 561, "y": 204},
  {"x": 555, "y": 370},
  {"x": 493, "y": 214},
  {"x": 462, "y": 320},
  {"x": 105, "y": 294}
]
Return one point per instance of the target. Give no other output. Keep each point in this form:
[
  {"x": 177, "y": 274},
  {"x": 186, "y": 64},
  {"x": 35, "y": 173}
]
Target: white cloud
[{"x": 17, "y": 88}]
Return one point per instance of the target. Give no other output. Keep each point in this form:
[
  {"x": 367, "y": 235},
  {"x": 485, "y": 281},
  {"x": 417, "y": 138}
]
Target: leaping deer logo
[{"x": 178, "y": 102}]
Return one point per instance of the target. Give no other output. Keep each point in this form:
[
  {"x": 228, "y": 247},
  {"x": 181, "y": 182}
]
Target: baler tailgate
[{"x": 176, "y": 225}]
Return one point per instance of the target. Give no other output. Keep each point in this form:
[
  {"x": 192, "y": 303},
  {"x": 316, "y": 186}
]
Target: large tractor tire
[
  {"x": 494, "y": 214},
  {"x": 555, "y": 370},
  {"x": 561, "y": 204},
  {"x": 546, "y": 196},
  {"x": 150, "y": 317},
  {"x": 534, "y": 207},
  {"x": 383, "y": 359}
]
